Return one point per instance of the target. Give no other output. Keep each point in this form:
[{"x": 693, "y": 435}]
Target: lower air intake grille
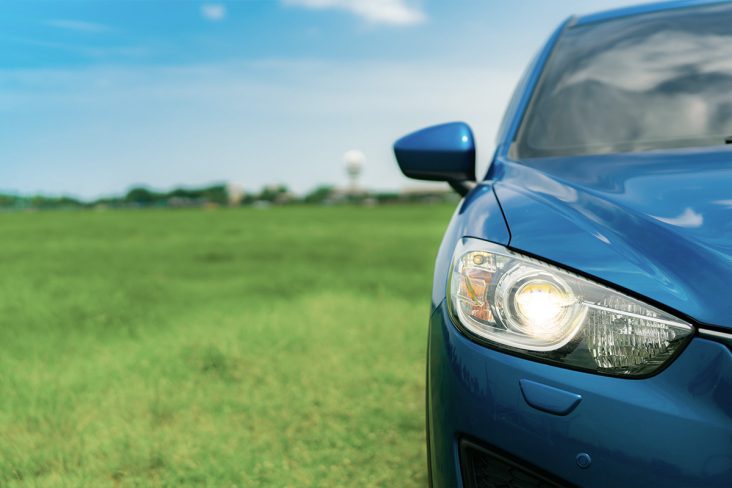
[{"x": 486, "y": 468}]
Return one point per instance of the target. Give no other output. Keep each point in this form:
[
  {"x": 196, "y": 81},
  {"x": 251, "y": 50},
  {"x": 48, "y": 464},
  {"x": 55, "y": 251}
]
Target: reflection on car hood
[{"x": 657, "y": 223}]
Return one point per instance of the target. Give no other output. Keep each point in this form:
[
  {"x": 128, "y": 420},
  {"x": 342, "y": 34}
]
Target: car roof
[{"x": 640, "y": 9}]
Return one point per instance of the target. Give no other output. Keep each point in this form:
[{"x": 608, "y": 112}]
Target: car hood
[{"x": 658, "y": 224}]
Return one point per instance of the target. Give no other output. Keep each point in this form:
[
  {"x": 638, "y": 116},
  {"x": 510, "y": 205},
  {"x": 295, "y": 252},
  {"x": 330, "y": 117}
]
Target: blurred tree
[
  {"x": 319, "y": 194},
  {"x": 273, "y": 193},
  {"x": 7, "y": 201},
  {"x": 215, "y": 194},
  {"x": 142, "y": 196}
]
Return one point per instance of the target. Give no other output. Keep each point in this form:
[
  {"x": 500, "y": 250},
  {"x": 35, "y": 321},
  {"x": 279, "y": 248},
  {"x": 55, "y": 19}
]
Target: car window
[{"x": 653, "y": 81}]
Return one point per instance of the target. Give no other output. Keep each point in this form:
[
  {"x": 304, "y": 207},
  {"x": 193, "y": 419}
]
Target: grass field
[{"x": 276, "y": 347}]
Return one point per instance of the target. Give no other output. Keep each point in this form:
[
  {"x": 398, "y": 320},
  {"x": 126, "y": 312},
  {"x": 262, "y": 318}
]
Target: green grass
[{"x": 277, "y": 347}]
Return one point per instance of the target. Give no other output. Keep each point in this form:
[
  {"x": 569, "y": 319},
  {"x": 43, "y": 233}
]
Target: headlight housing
[{"x": 539, "y": 310}]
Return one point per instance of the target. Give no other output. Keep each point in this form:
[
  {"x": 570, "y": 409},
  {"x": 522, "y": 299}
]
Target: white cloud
[
  {"x": 395, "y": 12},
  {"x": 77, "y": 25},
  {"x": 213, "y": 11}
]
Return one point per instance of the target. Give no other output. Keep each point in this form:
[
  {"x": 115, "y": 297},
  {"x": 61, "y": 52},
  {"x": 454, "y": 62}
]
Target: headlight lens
[{"x": 539, "y": 310}]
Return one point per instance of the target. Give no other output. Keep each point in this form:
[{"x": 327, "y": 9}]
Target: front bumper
[{"x": 673, "y": 429}]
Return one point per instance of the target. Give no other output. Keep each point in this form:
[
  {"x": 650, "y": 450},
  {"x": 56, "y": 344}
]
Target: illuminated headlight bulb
[{"x": 538, "y": 305}]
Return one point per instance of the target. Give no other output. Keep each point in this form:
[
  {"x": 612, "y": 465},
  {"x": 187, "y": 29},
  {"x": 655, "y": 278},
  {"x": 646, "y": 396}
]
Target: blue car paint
[
  {"x": 629, "y": 227},
  {"x": 549, "y": 399},
  {"x": 672, "y": 429},
  {"x": 436, "y": 152},
  {"x": 650, "y": 223}
]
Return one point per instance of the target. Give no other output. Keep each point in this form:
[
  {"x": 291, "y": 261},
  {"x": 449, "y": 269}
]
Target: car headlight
[{"x": 539, "y": 310}]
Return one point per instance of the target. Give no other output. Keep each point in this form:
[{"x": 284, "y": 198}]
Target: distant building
[
  {"x": 234, "y": 194},
  {"x": 354, "y": 161}
]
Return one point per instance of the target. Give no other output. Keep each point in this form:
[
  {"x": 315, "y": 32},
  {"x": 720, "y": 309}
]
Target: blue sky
[{"x": 96, "y": 96}]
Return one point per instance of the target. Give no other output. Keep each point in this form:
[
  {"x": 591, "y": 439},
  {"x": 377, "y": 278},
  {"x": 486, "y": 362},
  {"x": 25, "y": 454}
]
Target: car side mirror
[{"x": 443, "y": 152}]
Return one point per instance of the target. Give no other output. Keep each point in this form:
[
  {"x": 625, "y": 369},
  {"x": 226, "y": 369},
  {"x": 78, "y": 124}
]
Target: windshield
[{"x": 654, "y": 81}]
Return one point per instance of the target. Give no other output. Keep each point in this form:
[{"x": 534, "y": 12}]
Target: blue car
[{"x": 581, "y": 318}]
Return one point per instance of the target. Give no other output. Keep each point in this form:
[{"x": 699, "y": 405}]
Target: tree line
[{"x": 215, "y": 196}]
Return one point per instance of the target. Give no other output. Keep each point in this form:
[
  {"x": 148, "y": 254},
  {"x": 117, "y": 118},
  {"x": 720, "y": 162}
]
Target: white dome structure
[{"x": 354, "y": 161}]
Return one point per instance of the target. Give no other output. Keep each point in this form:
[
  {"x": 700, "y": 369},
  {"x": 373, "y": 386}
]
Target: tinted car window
[{"x": 653, "y": 81}]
